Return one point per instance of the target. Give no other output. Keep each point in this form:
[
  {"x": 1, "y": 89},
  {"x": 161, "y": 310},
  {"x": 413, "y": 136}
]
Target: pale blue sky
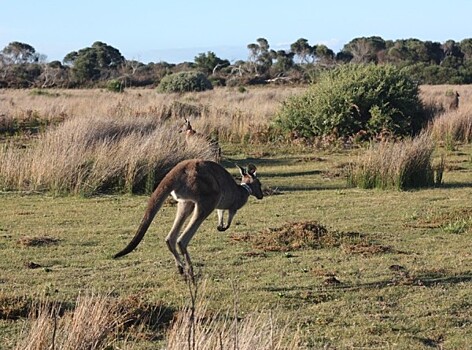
[{"x": 176, "y": 31}]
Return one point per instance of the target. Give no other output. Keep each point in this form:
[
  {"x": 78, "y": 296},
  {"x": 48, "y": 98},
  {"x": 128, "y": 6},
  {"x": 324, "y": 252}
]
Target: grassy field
[{"x": 391, "y": 269}]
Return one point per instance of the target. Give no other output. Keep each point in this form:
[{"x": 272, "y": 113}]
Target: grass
[
  {"x": 317, "y": 262},
  {"x": 338, "y": 296},
  {"x": 97, "y": 155},
  {"x": 399, "y": 165}
]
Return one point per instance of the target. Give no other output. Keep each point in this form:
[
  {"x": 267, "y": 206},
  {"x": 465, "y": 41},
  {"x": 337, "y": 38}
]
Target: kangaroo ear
[
  {"x": 242, "y": 170},
  {"x": 251, "y": 169}
]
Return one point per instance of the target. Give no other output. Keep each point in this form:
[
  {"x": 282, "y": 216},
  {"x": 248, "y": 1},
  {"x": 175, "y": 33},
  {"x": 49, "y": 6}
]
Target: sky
[{"x": 175, "y": 31}]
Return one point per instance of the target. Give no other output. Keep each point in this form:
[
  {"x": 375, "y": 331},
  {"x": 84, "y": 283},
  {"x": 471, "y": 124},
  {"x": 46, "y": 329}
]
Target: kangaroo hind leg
[
  {"x": 184, "y": 209},
  {"x": 199, "y": 215}
]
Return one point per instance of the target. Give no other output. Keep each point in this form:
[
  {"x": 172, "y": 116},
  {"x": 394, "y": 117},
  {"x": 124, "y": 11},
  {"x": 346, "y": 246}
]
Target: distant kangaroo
[
  {"x": 191, "y": 134},
  {"x": 454, "y": 104},
  {"x": 199, "y": 187}
]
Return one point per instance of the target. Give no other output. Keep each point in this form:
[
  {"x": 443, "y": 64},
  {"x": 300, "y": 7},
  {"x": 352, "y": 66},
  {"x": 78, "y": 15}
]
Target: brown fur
[
  {"x": 199, "y": 187},
  {"x": 454, "y": 103}
]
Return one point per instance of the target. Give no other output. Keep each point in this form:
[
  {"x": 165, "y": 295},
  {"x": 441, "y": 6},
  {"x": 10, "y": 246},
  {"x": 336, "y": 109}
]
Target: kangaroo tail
[{"x": 155, "y": 203}]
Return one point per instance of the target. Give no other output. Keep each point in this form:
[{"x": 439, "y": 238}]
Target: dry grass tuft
[
  {"x": 91, "y": 325},
  {"x": 395, "y": 165},
  {"x": 260, "y": 331},
  {"x": 39, "y": 241},
  {"x": 97, "y": 155},
  {"x": 452, "y": 128}
]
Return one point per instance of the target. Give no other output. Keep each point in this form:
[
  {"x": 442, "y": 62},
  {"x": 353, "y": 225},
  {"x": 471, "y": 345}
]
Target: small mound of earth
[
  {"x": 28, "y": 241},
  {"x": 297, "y": 236}
]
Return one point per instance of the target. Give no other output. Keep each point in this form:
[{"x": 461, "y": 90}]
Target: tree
[
  {"x": 18, "y": 53},
  {"x": 283, "y": 62},
  {"x": 302, "y": 50},
  {"x": 100, "y": 61},
  {"x": 86, "y": 66},
  {"x": 365, "y": 50},
  {"x": 324, "y": 54},
  {"x": 453, "y": 56},
  {"x": 107, "y": 56},
  {"x": 466, "y": 48},
  {"x": 209, "y": 62},
  {"x": 259, "y": 56}
]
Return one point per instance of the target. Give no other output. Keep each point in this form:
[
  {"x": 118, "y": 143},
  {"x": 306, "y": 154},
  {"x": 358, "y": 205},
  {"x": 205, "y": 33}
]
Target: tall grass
[
  {"x": 452, "y": 128},
  {"x": 224, "y": 331},
  {"x": 400, "y": 165},
  {"x": 99, "y": 322},
  {"x": 97, "y": 154},
  {"x": 91, "y": 326},
  {"x": 449, "y": 127},
  {"x": 233, "y": 115}
]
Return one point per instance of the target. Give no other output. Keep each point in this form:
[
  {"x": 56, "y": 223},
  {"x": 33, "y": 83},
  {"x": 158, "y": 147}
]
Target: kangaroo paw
[{"x": 222, "y": 228}]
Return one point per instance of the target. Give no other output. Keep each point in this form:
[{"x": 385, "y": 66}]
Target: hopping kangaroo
[
  {"x": 199, "y": 187},
  {"x": 191, "y": 134}
]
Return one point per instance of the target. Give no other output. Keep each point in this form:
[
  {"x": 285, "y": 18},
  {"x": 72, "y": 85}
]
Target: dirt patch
[
  {"x": 366, "y": 248},
  {"x": 444, "y": 219},
  {"x": 306, "y": 235},
  {"x": 28, "y": 241}
]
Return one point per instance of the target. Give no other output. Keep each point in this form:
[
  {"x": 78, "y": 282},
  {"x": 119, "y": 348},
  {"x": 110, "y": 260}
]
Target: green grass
[{"x": 413, "y": 295}]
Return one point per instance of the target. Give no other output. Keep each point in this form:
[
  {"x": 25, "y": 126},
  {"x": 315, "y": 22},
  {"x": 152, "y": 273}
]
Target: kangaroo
[
  {"x": 454, "y": 101},
  {"x": 199, "y": 186},
  {"x": 191, "y": 134}
]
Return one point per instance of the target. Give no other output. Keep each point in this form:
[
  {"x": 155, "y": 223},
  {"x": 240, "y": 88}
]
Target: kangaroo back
[{"x": 155, "y": 203}]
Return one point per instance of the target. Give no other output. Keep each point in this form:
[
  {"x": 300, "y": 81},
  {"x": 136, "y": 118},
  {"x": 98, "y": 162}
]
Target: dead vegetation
[
  {"x": 310, "y": 235},
  {"x": 37, "y": 241}
]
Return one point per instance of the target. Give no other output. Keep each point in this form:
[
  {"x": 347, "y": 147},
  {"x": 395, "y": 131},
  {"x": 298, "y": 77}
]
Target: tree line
[{"x": 427, "y": 62}]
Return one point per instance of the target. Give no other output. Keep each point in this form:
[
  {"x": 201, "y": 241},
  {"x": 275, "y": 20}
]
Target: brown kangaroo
[
  {"x": 454, "y": 101},
  {"x": 191, "y": 134},
  {"x": 199, "y": 186}
]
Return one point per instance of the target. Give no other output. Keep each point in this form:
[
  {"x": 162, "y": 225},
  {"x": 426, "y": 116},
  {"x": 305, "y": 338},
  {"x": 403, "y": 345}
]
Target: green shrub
[
  {"x": 184, "y": 82},
  {"x": 373, "y": 99},
  {"x": 115, "y": 86}
]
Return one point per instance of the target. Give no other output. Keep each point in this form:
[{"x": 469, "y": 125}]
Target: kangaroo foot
[{"x": 222, "y": 228}]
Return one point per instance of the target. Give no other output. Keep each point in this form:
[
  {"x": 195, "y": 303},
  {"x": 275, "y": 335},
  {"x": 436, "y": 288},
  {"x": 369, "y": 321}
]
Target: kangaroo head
[
  {"x": 186, "y": 127},
  {"x": 249, "y": 178}
]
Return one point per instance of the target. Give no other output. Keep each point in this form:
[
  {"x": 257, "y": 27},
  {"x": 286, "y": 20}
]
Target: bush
[
  {"x": 184, "y": 82},
  {"x": 355, "y": 98},
  {"x": 115, "y": 86}
]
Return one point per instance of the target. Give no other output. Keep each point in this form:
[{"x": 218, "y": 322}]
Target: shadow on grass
[
  {"x": 453, "y": 185},
  {"x": 327, "y": 291},
  {"x": 259, "y": 162},
  {"x": 320, "y": 187}
]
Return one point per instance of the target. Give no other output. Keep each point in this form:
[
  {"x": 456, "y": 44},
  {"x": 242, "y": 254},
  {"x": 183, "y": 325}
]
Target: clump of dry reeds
[
  {"x": 91, "y": 325},
  {"x": 452, "y": 128},
  {"x": 400, "y": 165},
  {"x": 97, "y": 154},
  {"x": 199, "y": 329},
  {"x": 100, "y": 322}
]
